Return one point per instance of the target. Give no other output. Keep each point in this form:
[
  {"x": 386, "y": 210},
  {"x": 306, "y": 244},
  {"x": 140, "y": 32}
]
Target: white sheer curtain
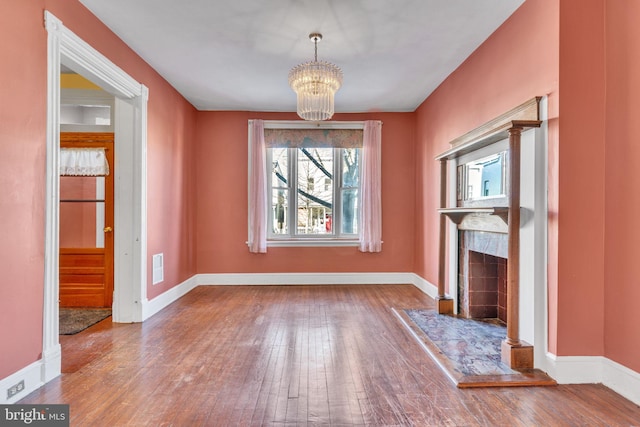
[
  {"x": 257, "y": 189},
  {"x": 370, "y": 186},
  {"x": 83, "y": 162}
]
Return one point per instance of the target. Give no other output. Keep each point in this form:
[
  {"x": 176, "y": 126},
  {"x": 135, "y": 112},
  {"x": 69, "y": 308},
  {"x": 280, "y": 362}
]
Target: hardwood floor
[{"x": 293, "y": 355}]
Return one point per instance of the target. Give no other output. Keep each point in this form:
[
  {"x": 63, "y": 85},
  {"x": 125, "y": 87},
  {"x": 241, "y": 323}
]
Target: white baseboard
[
  {"x": 306, "y": 278},
  {"x": 51, "y": 363},
  {"x": 151, "y": 307},
  {"x": 593, "y": 370},
  {"x": 32, "y": 377},
  {"x": 425, "y": 286}
]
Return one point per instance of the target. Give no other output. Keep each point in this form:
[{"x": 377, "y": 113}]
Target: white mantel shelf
[{"x": 458, "y": 214}]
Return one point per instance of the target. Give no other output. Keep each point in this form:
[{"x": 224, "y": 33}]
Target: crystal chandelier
[{"x": 315, "y": 82}]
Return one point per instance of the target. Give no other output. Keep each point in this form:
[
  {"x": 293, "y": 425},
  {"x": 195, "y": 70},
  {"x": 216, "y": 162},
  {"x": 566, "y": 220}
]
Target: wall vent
[{"x": 158, "y": 268}]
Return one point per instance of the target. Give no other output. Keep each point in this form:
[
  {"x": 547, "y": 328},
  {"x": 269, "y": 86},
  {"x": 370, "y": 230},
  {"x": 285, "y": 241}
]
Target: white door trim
[{"x": 130, "y": 238}]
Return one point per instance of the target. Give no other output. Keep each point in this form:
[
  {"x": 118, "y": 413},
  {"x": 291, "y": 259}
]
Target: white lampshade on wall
[{"x": 315, "y": 83}]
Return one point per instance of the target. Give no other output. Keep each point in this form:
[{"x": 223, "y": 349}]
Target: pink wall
[
  {"x": 171, "y": 189},
  {"x": 222, "y": 201},
  {"x": 519, "y": 61},
  {"x": 22, "y": 183},
  {"x": 171, "y": 124},
  {"x": 580, "y": 209},
  {"x": 622, "y": 230}
]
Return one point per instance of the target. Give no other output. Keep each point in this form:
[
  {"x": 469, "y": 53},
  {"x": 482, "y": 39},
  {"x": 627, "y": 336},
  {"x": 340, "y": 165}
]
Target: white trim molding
[
  {"x": 595, "y": 370},
  {"x": 32, "y": 377},
  {"x": 425, "y": 286},
  {"x": 65, "y": 47},
  {"x": 319, "y": 278},
  {"x": 151, "y": 307}
]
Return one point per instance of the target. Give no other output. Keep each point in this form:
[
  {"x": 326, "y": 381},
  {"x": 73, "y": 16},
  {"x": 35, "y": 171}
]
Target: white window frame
[{"x": 274, "y": 240}]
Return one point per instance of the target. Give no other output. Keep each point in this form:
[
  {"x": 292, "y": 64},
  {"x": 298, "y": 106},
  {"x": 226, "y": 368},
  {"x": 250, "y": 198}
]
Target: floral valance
[
  {"x": 313, "y": 138},
  {"x": 83, "y": 162}
]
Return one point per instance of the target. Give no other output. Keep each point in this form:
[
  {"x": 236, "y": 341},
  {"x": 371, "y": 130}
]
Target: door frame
[{"x": 130, "y": 192}]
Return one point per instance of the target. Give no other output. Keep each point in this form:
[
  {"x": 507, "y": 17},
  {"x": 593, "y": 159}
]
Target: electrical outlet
[{"x": 15, "y": 389}]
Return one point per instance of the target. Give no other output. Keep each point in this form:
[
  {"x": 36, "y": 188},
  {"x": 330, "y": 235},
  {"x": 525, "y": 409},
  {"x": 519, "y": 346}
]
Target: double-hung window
[
  {"x": 313, "y": 184},
  {"x": 313, "y": 192}
]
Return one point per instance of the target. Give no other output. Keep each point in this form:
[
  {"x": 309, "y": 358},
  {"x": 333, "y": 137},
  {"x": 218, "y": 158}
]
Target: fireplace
[
  {"x": 482, "y": 275},
  {"x": 468, "y": 196}
]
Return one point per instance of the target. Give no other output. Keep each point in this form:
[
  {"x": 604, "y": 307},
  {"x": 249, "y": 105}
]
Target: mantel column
[
  {"x": 515, "y": 353},
  {"x": 444, "y": 303}
]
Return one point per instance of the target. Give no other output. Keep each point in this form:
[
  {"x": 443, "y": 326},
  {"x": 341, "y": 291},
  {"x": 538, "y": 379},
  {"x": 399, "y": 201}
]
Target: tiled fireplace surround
[{"x": 482, "y": 274}]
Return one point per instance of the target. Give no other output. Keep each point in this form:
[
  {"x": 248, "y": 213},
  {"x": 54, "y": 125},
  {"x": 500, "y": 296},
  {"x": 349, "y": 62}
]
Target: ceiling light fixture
[{"x": 315, "y": 82}]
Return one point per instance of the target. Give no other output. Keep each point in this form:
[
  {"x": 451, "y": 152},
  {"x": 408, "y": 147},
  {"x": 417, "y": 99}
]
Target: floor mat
[{"x": 74, "y": 320}]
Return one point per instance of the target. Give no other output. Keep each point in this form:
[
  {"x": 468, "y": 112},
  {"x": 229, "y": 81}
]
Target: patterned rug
[
  {"x": 74, "y": 320},
  {"x": 468, "y": 350}
]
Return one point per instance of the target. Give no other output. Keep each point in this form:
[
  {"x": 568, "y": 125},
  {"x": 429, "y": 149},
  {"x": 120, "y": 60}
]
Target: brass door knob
[{"x": 107, "y": 229}]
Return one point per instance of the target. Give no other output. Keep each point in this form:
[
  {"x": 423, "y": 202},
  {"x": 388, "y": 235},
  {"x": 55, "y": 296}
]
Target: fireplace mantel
[
  {"x": 458, "y": 214},
  {"x": 515, "y": 353}
]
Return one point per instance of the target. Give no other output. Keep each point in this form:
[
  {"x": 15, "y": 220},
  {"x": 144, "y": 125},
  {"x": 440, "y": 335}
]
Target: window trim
[{"x": 307, "y": 240}]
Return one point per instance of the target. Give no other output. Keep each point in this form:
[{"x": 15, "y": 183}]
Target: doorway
[{"x": 130, "y": 280}]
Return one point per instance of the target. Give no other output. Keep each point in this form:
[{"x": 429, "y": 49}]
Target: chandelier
[{"x": 315, "y": 82}]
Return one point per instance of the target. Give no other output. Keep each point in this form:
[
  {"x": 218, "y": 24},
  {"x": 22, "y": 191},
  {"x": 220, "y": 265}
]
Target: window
[
  {"x": 314, "y": 184},
  {"x": 301, "y": 209}
]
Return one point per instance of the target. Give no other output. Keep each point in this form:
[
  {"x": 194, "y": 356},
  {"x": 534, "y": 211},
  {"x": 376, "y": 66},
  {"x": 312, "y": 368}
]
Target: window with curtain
[{"x": 312, "y": 184}]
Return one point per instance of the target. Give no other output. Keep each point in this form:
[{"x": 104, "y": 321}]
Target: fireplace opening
[{"x": 482, "y": 286}]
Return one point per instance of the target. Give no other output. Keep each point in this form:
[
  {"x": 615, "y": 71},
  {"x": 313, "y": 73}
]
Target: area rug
[
  {"x": 468, "y": 350},
  {"x": 74, "y": 320}
]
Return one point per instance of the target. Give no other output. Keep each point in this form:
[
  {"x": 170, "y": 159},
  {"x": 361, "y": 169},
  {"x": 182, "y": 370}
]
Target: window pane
[
  {"x": 315, "y": 202},
  {"x": 350, "y": 183},
  {"x": 279, "y": 168},
  {"x": 350, "y": 171},
  {"x": 81, "y": 212},
  {"x": 350, "y": 211},
  {"x": 279, "y": 190},
  {"x": 280, "y": 208}
]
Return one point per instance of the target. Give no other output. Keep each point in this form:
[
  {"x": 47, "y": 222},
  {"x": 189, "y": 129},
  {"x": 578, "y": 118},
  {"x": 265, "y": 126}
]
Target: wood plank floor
[{"x": 293, "y": 355}]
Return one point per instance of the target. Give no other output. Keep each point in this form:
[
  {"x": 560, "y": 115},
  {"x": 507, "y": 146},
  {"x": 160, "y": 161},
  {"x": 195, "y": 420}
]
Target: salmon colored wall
[
  {"x": 622, "y": 236},
  {"x": 580, "y": 262},
  {"x": 519, "y": 61},
  {"x": 222, "y": 201},
  {"x": 171, "y": 189},
  {"x": 171, "y": 123},
  {"x": 22, "y": 183}
]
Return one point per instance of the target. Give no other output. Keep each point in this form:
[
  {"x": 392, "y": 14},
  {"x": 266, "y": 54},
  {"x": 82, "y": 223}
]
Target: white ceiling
[{"x": 236, "y": 54}]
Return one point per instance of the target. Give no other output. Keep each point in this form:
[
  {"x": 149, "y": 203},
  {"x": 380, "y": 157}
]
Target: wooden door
[{"x": 86, "y": 229}]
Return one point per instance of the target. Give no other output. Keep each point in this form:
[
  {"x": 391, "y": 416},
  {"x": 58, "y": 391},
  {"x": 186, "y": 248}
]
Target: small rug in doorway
[
  {"x": 468, "y": 350},
  {"x": 74, "y": 320}
]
